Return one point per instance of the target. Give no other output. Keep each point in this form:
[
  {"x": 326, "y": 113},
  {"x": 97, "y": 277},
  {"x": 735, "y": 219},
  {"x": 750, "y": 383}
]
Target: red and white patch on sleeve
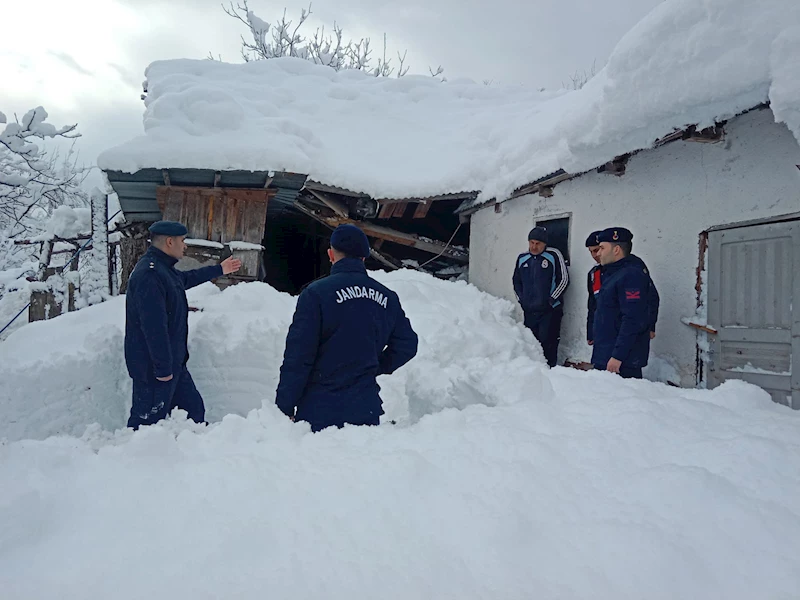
[{"x": 631, "y": 294}]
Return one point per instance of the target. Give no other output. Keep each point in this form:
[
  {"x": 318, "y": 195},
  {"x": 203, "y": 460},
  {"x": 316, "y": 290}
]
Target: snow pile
[
  {"x": 614, "y": 489},
  {"x": 68, "y": 222},
  {"x": 687, "y": 62},
  {"x": 501, "y": 479},
  {"x": 63, "y": 375}
]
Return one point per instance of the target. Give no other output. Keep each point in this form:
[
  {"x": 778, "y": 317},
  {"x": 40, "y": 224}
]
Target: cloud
[
  {"x": 126, "y": 76},
  {"x": 70, "y": 62}
]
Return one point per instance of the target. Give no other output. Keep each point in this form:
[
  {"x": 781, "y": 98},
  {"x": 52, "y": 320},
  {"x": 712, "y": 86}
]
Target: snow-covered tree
[
  {"x": 34, "y": 181},
  {"x": 283, "y": 38},
  {"x": 39, "y": 188}
]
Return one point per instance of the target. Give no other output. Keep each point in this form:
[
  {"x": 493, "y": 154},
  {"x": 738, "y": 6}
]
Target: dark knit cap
[
  {"x": 350, "y": 240},
  {"x": 539, "y": 234}
]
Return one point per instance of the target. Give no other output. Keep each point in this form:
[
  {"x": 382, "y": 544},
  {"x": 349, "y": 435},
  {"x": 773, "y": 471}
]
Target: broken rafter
[
  {"x": 405, "y": 239},
  {"x": 383, "y": 259},
  {"x": 389, "y": 235},
  {"x": 335, "y": 205}
]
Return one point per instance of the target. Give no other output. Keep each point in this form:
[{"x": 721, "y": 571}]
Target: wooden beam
[
  {"x": 535, "y": 187},
  {"x": 384, "y": 260},
  {"x": 389, "y": 235},
  {"x": 405, "y": 239},
  {"x": 422, "y": 210},
  {"x": 399, "y": 209},
  {"x": 387, "y": 208},
  {"x": 335, "y": 205}
]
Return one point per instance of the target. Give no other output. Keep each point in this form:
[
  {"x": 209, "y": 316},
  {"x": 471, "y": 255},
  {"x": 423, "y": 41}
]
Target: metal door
[{"x": 754, "y": 304}]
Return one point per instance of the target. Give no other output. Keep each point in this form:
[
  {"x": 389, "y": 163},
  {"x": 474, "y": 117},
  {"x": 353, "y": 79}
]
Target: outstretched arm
[{"x": 197, "y": 276}]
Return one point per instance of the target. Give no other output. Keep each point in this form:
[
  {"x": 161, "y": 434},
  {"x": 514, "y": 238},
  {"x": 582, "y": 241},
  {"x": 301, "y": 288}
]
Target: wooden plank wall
[{"x": 217, "y": 214}]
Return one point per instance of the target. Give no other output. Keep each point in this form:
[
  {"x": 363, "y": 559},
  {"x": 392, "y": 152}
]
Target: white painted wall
[{"x": 666, "y": 197}]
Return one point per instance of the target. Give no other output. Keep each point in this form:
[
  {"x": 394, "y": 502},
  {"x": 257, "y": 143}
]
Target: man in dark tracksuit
[
  {"x": 157, "y": 327},
  {"x": 540, "y": 280},
  {"x": 623, "y": 317},
  {"x": 347, "y": 330},
  {"x": 593, "y": 284}
]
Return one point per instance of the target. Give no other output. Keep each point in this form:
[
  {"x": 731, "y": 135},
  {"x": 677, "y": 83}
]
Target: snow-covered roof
[{"x": 689, "y": 62}]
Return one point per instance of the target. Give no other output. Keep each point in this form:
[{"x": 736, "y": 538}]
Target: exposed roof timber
[
  {"x": 405, "y": 239},
  {"x": 389, "y": 235},
  {"x": 547, "y": 181},
  {"x": 336, "y": 206}
]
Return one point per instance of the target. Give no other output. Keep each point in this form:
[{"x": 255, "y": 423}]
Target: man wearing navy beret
[
  {"x": 623, "y": 316},
  {"x": 540, "y": 280},
  {"x": 347, "y": 330},
  {"x": 157, "y": 327},
  {"x": 594, "y": 283}
]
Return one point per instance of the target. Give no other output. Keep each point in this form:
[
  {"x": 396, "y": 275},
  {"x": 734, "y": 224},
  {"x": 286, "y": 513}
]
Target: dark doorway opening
[{"x": 557, "y": 234}]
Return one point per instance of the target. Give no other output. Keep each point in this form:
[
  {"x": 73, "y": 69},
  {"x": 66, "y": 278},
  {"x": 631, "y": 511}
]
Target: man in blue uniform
[
  {"x": 594, "y": 284},
  {"x": 623, "y": 317},
  {"x": 157, "y": 327},
  {"x": 540, "y": 280},
  {"x": 347, "y": 330}
]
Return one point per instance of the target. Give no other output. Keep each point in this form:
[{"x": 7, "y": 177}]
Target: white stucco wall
[{"x": 666, "y": 197}]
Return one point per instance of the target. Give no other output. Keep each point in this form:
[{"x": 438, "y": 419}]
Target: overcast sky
[{"x": 84, "y": 60}]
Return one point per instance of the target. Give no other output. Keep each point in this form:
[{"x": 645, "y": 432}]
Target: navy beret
[
  {"x": 350, "y": 240},
  {"x": 169, "y": 228},
  {"x": 592, "y": 239},
  {"x": 539, "y": 234},
  {"x": 617, "y": 235}
]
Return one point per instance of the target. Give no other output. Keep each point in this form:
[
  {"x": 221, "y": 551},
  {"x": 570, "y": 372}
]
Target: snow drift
[
  {"x": 688, "y": 62},
  {"x": 501, "y": 479},
  {"x": 61, "y": 376}
]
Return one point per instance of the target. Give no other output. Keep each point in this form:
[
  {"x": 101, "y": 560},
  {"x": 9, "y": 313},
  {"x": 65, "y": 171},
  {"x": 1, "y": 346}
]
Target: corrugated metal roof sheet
[{"x": 137, "y": 191}]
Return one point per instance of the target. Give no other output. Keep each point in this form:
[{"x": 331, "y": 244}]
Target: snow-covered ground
[{"x": 501, "y": 479}]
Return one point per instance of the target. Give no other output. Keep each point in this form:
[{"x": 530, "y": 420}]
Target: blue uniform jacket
[
  {"x": 622, "y": 319},
  {"x": 540, "y": 280},
  {"x": 157, "y": 314},
  {"x": 347, "y": 330},
  {"x": 593, "y": 282}
]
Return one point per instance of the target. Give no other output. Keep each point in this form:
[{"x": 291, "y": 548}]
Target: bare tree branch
[{"x": 285, "y": 39}]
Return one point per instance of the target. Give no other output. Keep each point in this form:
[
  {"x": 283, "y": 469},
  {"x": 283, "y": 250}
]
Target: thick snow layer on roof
[
  {"x": 688, "y": 62},
  {"x": 501, "y": 478}
]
